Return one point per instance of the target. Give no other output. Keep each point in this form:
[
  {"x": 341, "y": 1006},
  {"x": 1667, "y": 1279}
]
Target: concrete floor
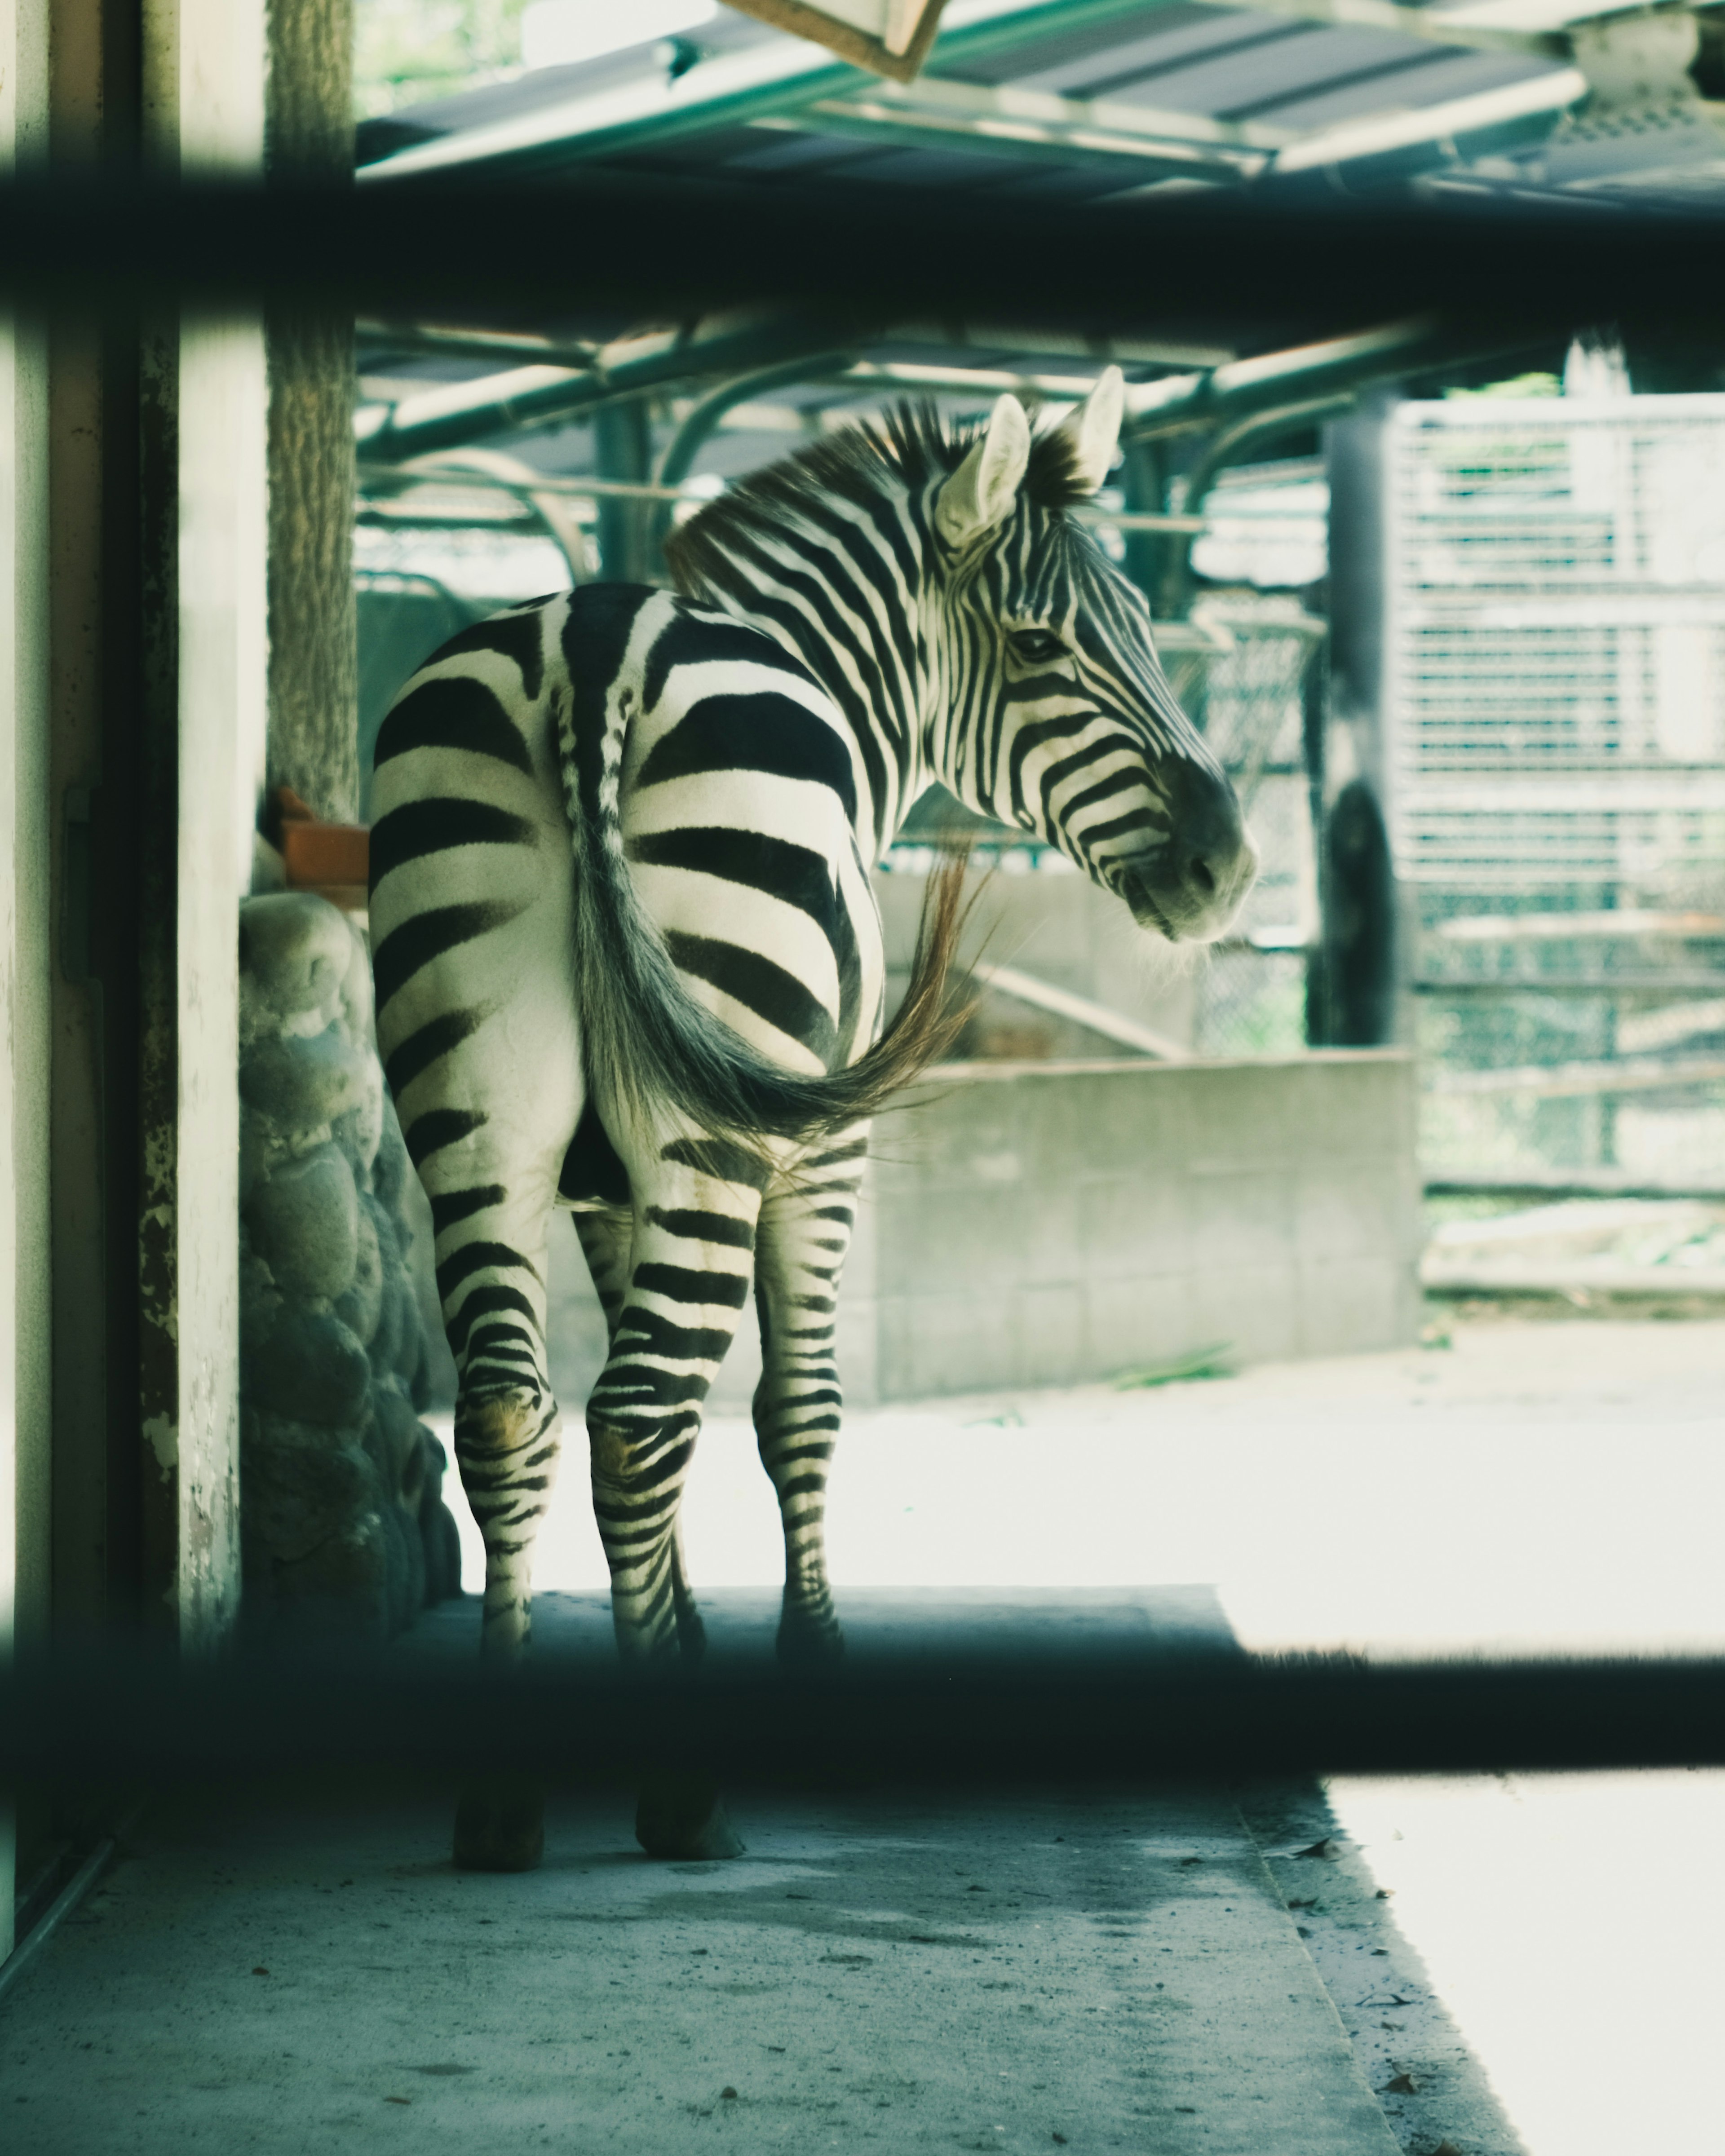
[
  {"x": 1097, "y": 1971},
  {"x": 1532, "y": 1487}
]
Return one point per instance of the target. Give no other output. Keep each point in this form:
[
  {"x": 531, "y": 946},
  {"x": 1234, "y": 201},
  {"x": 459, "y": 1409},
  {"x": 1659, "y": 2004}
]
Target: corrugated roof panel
[
  {"x": 1089, "y": 65},
  {"x": 1449, "y": 74}
]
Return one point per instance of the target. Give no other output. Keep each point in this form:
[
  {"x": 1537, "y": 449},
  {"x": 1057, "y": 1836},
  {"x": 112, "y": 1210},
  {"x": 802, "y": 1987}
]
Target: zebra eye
[{"x": 1036, "y": 647}]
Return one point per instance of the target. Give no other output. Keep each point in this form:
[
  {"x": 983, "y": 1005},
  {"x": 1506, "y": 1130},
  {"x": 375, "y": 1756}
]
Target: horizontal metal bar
[
  {"x": 1564, "y": 927},
  {"x": 457, "y": 413},
  {"x": 1568, "y": 1081},
  {"x": 1641, "y": 985},
  {"x": 1570, "y": 1182},
  {"x": 576, "y": 487},
  {"x": 62, "y": 1907},
  {"x": 1023, "y": 1715},
  {"x": 1580, "y": 1276},
  {"x": 521, "y": 346},
  {"x": 1184, "y": 265}
]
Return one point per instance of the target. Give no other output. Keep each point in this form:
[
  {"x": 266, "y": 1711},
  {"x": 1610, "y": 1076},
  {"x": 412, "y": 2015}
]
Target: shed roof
[{"x": 1083, "y": 100}]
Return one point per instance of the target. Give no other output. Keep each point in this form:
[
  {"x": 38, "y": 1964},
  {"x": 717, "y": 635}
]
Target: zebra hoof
[
  {"x": 499, "y": 1824},
  {"x": 804, "y": 1644},
  {"x": 684, "y": 1815}
]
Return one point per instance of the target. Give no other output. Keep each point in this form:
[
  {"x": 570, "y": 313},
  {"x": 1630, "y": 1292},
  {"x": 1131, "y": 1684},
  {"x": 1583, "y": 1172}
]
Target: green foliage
[
  {"x": 1217, "y": 1361},
  {"x": 407, "y": 51}
]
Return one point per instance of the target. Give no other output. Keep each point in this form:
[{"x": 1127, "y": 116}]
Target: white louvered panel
[{"x": 1556, "y": 601}]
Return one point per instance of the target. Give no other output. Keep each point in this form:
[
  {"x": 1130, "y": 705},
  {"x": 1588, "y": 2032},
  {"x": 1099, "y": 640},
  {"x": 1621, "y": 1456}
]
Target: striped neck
[{"x": 839, "y": 582}]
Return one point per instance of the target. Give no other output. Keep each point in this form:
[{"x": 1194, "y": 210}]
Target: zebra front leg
[
  {"x": 804, "y": 1235},
  {"x": 690, "y": 1261}
]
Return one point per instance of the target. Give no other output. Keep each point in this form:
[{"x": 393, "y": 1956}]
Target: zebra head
[{"x": 1058, "y": 716}]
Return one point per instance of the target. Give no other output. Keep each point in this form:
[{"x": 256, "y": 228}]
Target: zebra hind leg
[
  {"x": 804, "y": 1235},
  {"x": 605, "y": 1237},
  {"x": 689, "y": 1266},
  {"x": 491, "y": 1273}
]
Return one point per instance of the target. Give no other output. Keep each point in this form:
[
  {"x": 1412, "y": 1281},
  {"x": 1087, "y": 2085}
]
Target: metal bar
[
  {"x": 1581, "y": 1277},
  {"x": 64, "y": 1903},
  {"x": 1061, "y": 1003},
  {"x": 1264, "y": 268},
  {"x": 535, "y": 396},
  {"x": 476, "y": 344},
  {"x": 1002, "y": 113},
  {"x": 1229, "y": 447},
  {"x": 1564, "y": 1081},
  {"x": 997, "y": 124},
  {"x": 1570, "y": 1182},
  {"x": 1488, "y": 112},
  {"x": 1674, "y": 984},
  {"x": 698, "y": 425},
  {"x": 1026, "y": 1715},
  {"x": 1243, "y": 388}
]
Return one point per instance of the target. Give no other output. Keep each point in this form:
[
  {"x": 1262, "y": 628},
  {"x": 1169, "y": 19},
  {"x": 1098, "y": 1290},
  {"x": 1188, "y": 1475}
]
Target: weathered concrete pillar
[{"x": 314, "y": 681}]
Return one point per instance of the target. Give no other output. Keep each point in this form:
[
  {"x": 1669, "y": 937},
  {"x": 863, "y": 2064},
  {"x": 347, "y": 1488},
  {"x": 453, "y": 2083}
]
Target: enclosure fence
[{"x": 1555, "y": 599}]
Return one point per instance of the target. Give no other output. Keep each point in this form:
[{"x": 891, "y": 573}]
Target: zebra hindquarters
[{"x": 805, "y": 1230}]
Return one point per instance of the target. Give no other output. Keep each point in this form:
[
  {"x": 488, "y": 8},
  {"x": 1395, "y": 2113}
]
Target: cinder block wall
[
  {"x": 1055, "y": 1224},
  {"x": 1046, "y": 1224}
]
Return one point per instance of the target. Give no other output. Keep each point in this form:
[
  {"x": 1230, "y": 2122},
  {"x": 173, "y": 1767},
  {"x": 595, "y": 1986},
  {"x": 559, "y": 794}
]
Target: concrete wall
[
  {"x": 1044, "y": 1224},
  {"x": 1047, "y": 1223},
  {"x": 1054, "y": 924}
]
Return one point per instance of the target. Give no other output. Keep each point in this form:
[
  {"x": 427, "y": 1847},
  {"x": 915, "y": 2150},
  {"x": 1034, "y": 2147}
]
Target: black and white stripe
[{"x": 628, "y": 958}]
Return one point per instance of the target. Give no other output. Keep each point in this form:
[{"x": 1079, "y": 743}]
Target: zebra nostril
[{"x": 1202, "y": 879}]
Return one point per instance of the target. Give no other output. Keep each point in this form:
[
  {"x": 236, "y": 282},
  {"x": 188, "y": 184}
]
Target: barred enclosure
[{"x": 1555, "y": 634}]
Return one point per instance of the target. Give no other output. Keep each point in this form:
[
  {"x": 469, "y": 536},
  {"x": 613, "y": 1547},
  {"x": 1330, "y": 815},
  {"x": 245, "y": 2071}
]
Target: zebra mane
[{"x": 906, "y": 446}]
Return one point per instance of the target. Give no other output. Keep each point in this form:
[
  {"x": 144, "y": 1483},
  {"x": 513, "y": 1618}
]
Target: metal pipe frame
[
  {"x": 1215, "y": 267},
  {"x": 454, "y": 414},
  {"x": 1233, "y": 445}
]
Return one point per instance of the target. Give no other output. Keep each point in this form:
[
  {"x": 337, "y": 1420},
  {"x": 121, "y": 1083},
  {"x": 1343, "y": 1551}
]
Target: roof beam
[
  {"x": 1009, "y": 122},
  {"x": 456, "y": 413},
  {"x": 1515, "y": 105},
  {"x": 1475, "y": 26}
]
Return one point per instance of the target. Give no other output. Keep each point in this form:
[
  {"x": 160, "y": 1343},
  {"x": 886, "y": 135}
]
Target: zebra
[{"x": 628, "y": 959}]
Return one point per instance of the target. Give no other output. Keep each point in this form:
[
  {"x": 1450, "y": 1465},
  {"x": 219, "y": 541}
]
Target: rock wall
[{"x": 340, "y": 1485}]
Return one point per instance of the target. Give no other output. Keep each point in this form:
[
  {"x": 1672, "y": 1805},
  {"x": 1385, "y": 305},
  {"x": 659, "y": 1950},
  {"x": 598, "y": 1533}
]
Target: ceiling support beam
[
  {"x": 1008, "y": 122},
  {"x": 458, "y": 413},
  {"x": 1180, "y": 403}
]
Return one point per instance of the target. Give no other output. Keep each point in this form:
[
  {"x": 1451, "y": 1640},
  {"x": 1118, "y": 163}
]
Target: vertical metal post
[
  {"x": 623, "y": 449},
  {"x": 25, "y": 1035},
  {"x": 1144, "y": 484},
  {"x": 1357, "y": 966}
]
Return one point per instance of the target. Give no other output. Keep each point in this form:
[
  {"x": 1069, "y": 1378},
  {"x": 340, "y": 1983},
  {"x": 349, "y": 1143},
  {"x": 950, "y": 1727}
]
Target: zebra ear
[
  {"x": 1093, "y": 429},
  {"x": 986, "y": 484}
]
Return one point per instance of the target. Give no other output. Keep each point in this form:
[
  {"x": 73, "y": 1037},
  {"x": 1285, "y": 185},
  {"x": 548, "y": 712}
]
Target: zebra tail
[{"x": 651, "y": 1045}]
